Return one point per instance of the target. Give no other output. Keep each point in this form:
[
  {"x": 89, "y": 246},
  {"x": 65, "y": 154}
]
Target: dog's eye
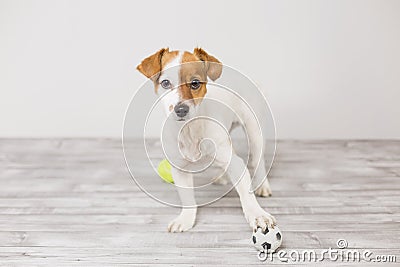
[
  {"x": 195, "y": 84},
  {"x": 166, "y": 84}
]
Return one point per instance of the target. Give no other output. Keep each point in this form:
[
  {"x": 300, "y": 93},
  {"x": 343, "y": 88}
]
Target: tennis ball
[{"x": 164, "y": 171}]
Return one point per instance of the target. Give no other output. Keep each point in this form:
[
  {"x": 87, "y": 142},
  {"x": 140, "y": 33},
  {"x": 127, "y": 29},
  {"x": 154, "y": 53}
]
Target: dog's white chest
[{"x": 189, "y": 141}]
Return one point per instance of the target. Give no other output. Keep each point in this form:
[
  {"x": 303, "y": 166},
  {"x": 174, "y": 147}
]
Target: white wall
[{"x": 330, "y": 69}]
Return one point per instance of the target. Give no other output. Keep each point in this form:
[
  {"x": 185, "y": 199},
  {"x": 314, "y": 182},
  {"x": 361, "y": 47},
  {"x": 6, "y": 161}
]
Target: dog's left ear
[
  {"x": 152, "y": 64},
  {"x": 213, "y": 65}
]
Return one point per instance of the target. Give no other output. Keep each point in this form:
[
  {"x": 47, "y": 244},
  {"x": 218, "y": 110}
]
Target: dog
[{"x": 184, "y": 77}]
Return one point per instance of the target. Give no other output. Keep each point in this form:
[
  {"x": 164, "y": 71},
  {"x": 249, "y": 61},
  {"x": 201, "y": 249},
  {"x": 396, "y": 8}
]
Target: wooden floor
[{"x": 72, "y": 202}]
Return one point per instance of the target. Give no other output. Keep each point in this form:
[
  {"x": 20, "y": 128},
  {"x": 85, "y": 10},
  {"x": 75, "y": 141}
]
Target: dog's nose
[{"x": 181, "y": 110}]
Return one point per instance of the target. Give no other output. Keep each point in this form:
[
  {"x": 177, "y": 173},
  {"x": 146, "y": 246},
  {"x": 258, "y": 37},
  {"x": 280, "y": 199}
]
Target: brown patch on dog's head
[
  {"x": 153, "y": 64},
  {"x": 192, "y": 68},
  {"x": 213, "y": 66},
  {"x": 197, "y": 65}
]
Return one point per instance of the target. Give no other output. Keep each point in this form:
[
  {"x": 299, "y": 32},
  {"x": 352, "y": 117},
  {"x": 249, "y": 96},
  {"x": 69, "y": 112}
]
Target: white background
[{"x": 330, "y": 69}]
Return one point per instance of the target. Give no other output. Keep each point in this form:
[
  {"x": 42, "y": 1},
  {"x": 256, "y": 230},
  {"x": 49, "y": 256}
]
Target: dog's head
[{"x": 183, "y": 75}]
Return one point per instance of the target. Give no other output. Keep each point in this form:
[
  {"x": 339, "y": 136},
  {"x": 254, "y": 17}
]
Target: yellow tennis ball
[{"x": 164, "y": 171}]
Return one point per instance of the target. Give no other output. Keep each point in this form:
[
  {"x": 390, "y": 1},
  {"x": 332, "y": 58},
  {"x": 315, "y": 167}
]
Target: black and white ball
[{"x": 268, "y": 240}]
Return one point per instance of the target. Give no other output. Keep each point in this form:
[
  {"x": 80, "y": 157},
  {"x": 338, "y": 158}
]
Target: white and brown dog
[{"x": 187, "y": 88}]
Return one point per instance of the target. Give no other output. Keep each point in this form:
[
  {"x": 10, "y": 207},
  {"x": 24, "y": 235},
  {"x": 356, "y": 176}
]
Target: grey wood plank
[{"x": 72, "y": 202}]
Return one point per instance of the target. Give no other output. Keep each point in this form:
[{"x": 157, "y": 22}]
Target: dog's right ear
[
  {"x": 152, "y": 64},
  {"x": 213, "y": 65}
]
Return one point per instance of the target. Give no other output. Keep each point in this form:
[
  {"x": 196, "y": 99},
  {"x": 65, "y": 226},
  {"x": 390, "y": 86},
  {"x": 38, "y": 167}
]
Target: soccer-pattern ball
[{"x": 268, "y": 240}]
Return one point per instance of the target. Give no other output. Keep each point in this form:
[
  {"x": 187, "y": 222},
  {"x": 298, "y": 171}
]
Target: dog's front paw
[
  {"x": 182, "y": 223},
  {"x": 264, "y": 190},
  {"x": 260, "y": 219}
]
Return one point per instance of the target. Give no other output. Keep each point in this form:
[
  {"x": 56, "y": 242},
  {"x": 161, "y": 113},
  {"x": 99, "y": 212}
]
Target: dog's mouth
[{"x": 181, "y": 119}]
